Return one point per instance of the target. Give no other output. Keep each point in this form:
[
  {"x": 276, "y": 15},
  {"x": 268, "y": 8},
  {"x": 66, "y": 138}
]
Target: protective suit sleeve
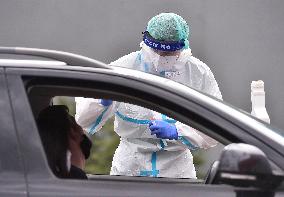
[
  {"x": 91, "y": 114},
  {"x": 127, "y": 61},
  {"x": 202, "y": 78},
  {"x": 192, "y": 138},
  {"x": 132, "y": 121}
]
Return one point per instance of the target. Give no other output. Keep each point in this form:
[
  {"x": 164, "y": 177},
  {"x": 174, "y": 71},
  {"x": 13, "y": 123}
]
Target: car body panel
[{"x": 12, "y": 173}]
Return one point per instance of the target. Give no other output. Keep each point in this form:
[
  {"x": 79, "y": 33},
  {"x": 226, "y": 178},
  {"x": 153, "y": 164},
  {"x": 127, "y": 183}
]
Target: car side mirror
[{"x": 243, "y": 165}]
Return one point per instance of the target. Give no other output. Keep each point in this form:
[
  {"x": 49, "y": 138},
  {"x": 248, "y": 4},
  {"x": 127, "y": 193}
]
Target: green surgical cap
[{"x": 169, "y": 27}]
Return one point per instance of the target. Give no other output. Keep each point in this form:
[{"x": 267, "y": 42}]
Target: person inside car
[{"x": 66, "y": 145}]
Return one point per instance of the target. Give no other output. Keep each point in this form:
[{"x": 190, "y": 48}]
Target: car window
[
  {"x": 104, "y": 160},
  {"x": 108, "y": 157}
]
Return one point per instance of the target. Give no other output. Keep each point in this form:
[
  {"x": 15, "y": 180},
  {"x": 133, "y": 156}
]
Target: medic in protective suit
[{"x": 152, "y": 144}]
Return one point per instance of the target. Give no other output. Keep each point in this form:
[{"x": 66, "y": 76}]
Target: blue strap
[
  {"x": 92, "y": 129},
  {"x": 162, "y": 45},
  {"x": 187, "y": 143},
  {"x": 138, "y": 61},
  {"x": 139, "y": 121},
  {"x": 164, "y": 116},
  {"x": 162, "y": 144},
  {"x": 162, "y": 73},
  {"x": 128, "y": 119},
  {"x": 138, "y": 58},
  {"x": 146, "y": 67},
  {"x": 154, "y": 172},
  {"x": 168, "y": 120}
]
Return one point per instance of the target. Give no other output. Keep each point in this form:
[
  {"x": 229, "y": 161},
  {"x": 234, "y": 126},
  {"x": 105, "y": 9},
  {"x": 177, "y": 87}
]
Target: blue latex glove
[
  {"x": 163, "y": 130},
  {"x": 106, "y": 102}
]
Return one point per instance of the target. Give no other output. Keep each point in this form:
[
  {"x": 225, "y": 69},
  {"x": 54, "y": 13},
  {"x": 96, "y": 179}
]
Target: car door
[
  {"x": 12, "y": 177},
  {"x": 41, "y": 182}
]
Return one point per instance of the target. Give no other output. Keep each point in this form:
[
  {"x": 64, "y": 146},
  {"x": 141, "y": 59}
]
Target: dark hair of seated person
[{"x": 54, "y": 124}]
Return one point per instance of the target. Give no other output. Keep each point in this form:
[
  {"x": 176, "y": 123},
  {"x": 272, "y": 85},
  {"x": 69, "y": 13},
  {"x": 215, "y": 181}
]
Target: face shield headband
[{"x": 162, "y": 45}]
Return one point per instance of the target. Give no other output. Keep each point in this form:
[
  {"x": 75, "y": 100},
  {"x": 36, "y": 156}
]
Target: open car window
[
  {"x": 108, "y": 153},
  {"x": 196, "y": 155}
]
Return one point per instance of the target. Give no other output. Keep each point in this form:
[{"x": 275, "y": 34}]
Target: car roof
[
  {"x": 69, "y": 58},
  {"x": 30, "y": 63}
]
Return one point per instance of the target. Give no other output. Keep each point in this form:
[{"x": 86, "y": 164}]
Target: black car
[{"x": 251, "y": 164}]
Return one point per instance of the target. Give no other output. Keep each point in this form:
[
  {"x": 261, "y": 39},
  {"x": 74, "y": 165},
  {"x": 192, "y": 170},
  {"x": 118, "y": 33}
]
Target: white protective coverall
[{"x": 140, "y": 153}]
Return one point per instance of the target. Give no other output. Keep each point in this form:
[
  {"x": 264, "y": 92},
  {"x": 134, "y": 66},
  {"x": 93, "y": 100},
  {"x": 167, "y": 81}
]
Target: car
[{"x": 251, "y": 164}]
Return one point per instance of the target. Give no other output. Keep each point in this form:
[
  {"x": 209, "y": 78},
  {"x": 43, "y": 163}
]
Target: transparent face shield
[
  {"x": 162, "y": 58},
  {"x": 160, "y": 63}
]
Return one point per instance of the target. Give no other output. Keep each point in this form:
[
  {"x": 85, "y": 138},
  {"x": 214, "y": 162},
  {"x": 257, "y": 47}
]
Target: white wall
[{"x": 240, "y": 40}]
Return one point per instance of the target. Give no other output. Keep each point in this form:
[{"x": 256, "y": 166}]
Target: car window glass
[
  {"x": 106, "y": 141},
  {"x": 108, "y": 157}
]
